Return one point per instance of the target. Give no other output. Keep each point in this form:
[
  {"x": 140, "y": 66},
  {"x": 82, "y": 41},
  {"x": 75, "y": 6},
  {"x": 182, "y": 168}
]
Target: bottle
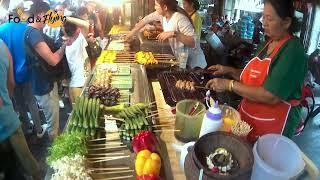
[
  {"x": 212, "y": 120},
  {"x": 91, "y": 28}
]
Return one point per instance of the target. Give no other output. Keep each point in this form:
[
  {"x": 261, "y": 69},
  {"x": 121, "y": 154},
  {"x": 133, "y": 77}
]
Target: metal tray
[{"x": 173, "y": 95}]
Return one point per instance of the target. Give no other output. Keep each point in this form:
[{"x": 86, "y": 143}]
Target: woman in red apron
[{"x": 271, "y": 83}]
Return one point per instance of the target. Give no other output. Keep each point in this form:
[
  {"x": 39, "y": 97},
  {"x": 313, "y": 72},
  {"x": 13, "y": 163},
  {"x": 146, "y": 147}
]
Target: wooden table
[{"x": 168, "y": 137}]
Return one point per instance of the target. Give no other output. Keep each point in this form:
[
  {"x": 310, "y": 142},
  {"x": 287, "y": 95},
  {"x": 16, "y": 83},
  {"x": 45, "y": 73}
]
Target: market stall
[{"x": 125, "y": 126}]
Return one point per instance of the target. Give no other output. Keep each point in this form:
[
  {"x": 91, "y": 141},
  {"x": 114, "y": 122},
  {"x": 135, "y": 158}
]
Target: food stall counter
[{"x": 168, "y": 137}]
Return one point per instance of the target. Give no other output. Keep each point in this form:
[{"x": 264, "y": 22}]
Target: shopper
[
  {"x": 271, "y": 83},
  {"x": 44, "y": 89},
  {"x": 191, "y": 7},
  {"x": 94, "y": 29},
  {"x": 24, "y": 99},
  {"x": 56, "y": 34},
  {"x": 178, "y": 29},
  {"x": 93, "y": 16},
  {"x": 10, "y": 131},
  {"x": 76, "y": 54}
]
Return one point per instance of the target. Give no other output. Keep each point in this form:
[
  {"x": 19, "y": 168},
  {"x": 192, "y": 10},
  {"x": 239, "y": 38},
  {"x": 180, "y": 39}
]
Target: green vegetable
[
  {"x": 80, "y": 107},
  {"x": 97, "y": 113},
  {"x": 92, "y": 132},
  {"x": 141, "y": 105},
  {"x": 145, "y": 121},
  {"x": 85, "y": 107},
  {"x": 67, "y": 145},
  {"x": 76, "y": 106},
  {"x": 89, "y": 112},
  {"x": 93, "y": 111},
  {"x": 137, "y": 109},
  {"x": 116, "y": 108}
]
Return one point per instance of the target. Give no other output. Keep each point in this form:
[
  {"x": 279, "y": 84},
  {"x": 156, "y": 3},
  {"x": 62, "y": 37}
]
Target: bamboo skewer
[
  {"x": 109, "y": 169},
  {"x": 167, "y": 130},
  {"x": 167, "y": 122},
  {"x": 109, "y": 159},
  {"x": 200, "y": 87},
  {"x": 104, "y": 139},
  {"x": 115, "y": 172},
  {"x": 163, "y": 118},
  {"x": 101, "y": 154},
  {"x": 156, "y": 111},
  {"x": 163, "y": 125},
  {"x": 106, "y": 144},
  {"x": 116, "y": 178},
  {"x": 100, "y": 158},
  {"x": 152, "y": 103},
  {"x": 107, "y": 148},
  {"x": 152, "y": 115}
]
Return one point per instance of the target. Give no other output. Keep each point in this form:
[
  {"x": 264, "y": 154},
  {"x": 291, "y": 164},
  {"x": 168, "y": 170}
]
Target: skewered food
[
  {"x": 108, "y": 96},
  {"x": 151, "y": 34},
  {"x": 102, "y": 78},
  {"x": 117, "y": 29},
  {"x": 145, "y": 58},
  {"x": 132, "y": 120},
  {"x": 84, "y": 118},
  {"x": 107, "y": 56},
  {"x": 185, "y": 85}
]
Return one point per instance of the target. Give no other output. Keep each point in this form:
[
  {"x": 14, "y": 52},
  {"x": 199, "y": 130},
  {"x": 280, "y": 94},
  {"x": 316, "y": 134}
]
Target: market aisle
[{"x": 39, "y": 147}]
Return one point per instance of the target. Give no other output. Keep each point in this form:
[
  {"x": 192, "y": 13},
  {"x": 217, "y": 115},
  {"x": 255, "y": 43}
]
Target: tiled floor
[{"x": 39, "y": 147}]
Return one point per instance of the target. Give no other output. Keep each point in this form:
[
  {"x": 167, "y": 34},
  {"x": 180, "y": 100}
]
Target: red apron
[{"x": 263, "y": 118}]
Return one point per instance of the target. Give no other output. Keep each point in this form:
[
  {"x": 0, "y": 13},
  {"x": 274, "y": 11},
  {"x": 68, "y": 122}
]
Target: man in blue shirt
[
  {"x": 11, "y": 135},
  {"x": 44, "y": 89},
  {"x": 13, "y": 36}
]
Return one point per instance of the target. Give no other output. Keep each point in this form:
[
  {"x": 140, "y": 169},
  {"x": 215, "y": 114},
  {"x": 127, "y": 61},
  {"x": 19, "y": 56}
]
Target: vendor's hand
[
  {"x": 128, "y": 38},
  {"x": 218, "y": 85},
  {"x": 165, "y": 35},
  {"x": 220, "y": 70}
]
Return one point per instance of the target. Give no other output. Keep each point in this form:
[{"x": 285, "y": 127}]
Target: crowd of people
[{"x": 35, "y": 59}]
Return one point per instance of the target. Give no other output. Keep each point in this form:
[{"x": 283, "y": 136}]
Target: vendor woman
[
  {"x": 178, "y": 29},
  {"x": 271, "y": 83}
]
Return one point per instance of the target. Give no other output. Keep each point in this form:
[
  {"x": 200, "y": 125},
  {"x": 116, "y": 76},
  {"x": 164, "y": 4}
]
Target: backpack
[{"x": 34, "y": 60}]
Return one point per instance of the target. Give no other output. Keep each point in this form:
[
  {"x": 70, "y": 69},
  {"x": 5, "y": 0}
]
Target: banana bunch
[
  {"x": 84, "y": 118},
  {"x": 145, "y": 58},
  {"x": 107, "y": 57}
]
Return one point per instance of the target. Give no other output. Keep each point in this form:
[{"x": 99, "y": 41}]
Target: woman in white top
[
  {"x": 178, "y": 29},
  {"x": 76, "y": 54}
]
